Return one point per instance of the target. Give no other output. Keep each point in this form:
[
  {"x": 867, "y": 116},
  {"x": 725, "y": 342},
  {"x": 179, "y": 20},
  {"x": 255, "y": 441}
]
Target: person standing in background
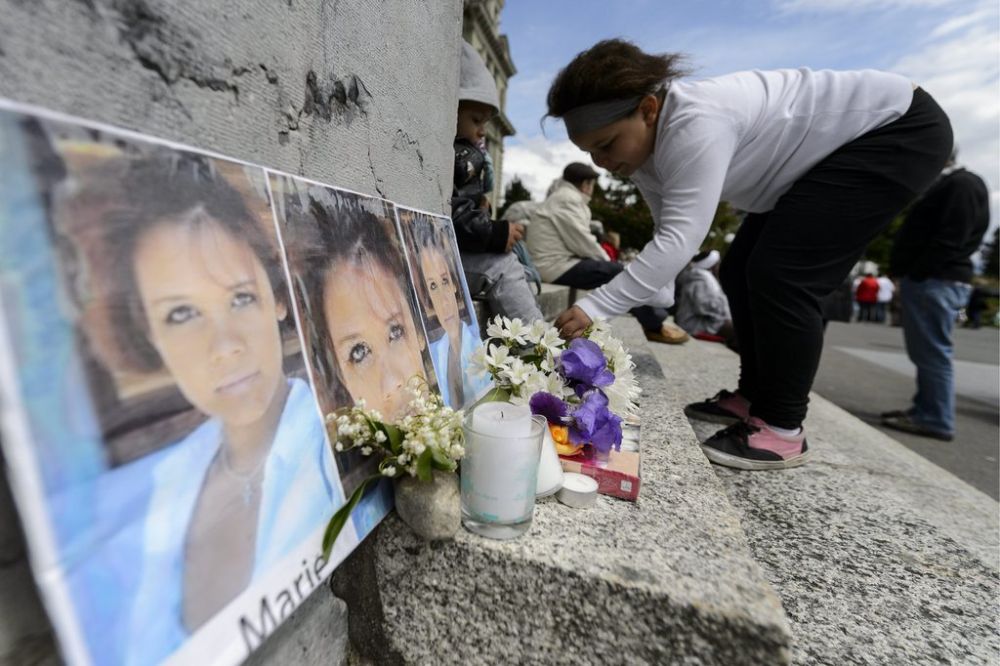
[
  {"x": 932, "y": 259},
  {"x": 866, "y": 294},
  {"x": 886, "y": 289}
]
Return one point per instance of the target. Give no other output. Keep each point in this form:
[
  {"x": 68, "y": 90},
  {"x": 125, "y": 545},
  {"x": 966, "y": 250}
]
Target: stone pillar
[{"x": 358, "y": 94}]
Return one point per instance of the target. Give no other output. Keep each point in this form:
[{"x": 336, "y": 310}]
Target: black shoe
[
  {"x": 725, "y": 407},
  {"x": 905, "y": 423},
  {"x": 751, "y": 445},
  {"x": 894, "y": 414}
]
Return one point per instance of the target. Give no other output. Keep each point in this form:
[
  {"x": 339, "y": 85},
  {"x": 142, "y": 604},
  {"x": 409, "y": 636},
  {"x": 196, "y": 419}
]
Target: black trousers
[
  {"x": 783, "y": 262},
  {"x": 592, "y": 273}
]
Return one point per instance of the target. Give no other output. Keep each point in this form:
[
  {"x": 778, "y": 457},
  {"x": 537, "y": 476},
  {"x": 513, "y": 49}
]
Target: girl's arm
[{"x": 694, "y": 165}]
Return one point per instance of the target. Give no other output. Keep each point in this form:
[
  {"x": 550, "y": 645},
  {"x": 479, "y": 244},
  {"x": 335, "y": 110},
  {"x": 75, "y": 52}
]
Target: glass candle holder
[{"x": 500, "y": 469}]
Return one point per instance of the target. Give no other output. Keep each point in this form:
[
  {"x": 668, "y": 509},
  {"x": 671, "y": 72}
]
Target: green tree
[
  {"x": 727, "y": 220},
  {"x": 514, "y": 192},
  {"x": 622, "y": 209}
]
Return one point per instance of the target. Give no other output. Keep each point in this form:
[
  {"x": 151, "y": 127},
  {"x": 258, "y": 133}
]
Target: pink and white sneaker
[
  {"x": 750, "y": 444},
  {"x": 724, "y": 407}
]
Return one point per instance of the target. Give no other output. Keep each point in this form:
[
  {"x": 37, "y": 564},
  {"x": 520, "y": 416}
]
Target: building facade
[{"x": 481, "y": 28}]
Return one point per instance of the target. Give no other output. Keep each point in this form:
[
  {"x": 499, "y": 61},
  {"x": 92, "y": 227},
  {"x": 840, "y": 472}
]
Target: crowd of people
[{"x": 816, "y": 189}]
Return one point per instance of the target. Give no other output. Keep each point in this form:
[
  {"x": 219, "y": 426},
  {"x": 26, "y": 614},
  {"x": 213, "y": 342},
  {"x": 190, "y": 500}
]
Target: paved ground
[{"x": 865, "y": 371}]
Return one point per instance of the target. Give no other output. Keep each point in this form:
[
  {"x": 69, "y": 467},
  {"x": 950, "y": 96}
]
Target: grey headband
[{"x": 598, "y": 114}]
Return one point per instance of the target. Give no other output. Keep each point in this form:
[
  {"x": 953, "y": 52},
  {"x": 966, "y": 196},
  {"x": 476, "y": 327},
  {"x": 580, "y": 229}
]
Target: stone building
[{"x": 481, "y": 28}]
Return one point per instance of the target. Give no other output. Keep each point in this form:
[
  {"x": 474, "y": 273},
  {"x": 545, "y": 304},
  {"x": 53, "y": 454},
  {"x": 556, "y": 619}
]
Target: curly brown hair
[{"x": 611, "y": 69}]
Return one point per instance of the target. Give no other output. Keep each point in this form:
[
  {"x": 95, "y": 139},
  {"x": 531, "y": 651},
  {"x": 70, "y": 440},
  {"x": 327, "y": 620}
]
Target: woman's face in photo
[
  {"x": 212, "y": 317},
  {"x": 442, "y": 289},
  {"x": 373, "y": 335}
]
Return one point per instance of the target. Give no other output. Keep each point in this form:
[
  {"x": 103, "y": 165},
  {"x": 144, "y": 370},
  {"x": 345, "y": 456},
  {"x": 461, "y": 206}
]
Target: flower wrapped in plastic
[
  {"x": 429, "y": 436},
  {"x": 584, "y": 389}
]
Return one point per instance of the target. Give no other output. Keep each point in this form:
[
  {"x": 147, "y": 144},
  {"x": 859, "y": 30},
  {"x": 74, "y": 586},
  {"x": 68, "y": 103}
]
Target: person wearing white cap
[
  {"x": 485, "y": 245},
  {"x": 702, "y": 307}
]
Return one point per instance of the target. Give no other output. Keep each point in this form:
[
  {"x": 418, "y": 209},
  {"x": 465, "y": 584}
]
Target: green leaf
[
  {"x": 442, "y": 461},
  {"x": 336, "y": 523},
  {"x": 424, "y": 465},
  {"x": 395, "y": 437}
]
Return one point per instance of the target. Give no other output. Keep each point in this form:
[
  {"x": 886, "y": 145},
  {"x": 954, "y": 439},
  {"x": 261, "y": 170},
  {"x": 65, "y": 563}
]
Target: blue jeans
[{"x": 929, "y": 311}]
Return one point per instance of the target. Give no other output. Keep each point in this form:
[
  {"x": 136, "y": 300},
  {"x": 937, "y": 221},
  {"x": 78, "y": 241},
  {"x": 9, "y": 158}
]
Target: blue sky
[{"x": 950, "y": 47}]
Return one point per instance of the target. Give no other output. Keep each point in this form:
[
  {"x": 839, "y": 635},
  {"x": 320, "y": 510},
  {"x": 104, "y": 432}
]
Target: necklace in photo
[{"x": 249, "y": 481}]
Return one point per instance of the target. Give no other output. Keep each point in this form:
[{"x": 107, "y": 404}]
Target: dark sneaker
[
  {"x": 905, "y": 423},
  {"x": 896, "y": 413},
  {"x": 752, "y": 445},
  {"x": 724, "y": 407}
]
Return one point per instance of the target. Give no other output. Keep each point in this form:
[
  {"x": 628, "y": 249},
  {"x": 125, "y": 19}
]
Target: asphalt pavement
[{"x": 865, "y": 371}]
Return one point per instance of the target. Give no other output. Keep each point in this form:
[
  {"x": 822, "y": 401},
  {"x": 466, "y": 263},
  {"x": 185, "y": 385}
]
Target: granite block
[
  {"x": 879, "y": 556},
  {"x": 667, "y": 579}
]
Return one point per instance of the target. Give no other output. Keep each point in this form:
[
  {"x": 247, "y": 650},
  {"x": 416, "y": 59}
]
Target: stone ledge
[
  {"x": 879, "y": 556},
  {"x": 663, "y": 580},
  {"x": 554, "y": 299}
]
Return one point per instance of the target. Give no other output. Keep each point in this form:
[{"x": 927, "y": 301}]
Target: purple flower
[
  {"x": 593, "y": 423},
  {"x": 584, "y": 362},
  {"x": 549, "y": 406}
]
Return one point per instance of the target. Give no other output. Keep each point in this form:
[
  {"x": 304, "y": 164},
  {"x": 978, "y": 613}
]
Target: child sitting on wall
[{"x": 491, "y": 268}]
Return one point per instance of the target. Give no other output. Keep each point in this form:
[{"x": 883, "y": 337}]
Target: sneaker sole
[
  {"x": 727, "y": 460},
  {"x": 711, "y": 418}
]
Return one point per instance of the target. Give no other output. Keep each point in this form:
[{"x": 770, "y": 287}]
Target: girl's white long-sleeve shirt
[{"x": 744, "y": 138}]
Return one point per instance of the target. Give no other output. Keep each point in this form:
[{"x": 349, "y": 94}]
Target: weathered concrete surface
[
  {"x": 879, "y": 556},
  {"x": 314, "y": 635},
  {"x": 357, "y": 94},
  {"x": 667, "y": 579}
]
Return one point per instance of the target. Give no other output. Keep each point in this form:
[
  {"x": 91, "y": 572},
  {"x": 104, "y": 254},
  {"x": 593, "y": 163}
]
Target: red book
[{"x": 619, "y": 477}]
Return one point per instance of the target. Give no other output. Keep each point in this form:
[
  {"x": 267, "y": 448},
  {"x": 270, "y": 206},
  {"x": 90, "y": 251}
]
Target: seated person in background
[
  {"x": 491, "y": 269},
  {"x": 702, "y": 306},
  {"x": 520, "y": 212},
  {"x": 565, "y": 251},
  {"x": 610, "y": 242}
]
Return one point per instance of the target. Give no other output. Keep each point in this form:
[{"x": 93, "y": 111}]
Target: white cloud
[
  {"x": 538, "y": 161},
  {"x": 960, "y": 66},
  {"x": 854, "y": 6}
]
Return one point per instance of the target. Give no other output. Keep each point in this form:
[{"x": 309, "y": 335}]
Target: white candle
[
  {"x": 500, "y": 468},
  {"x": 502, "y": 419},
  {"x": 578, "y": 491},
  {"x": 550, "y": 474}
]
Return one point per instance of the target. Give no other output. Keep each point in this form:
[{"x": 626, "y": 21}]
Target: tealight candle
[{"x": 578, "y": 491}]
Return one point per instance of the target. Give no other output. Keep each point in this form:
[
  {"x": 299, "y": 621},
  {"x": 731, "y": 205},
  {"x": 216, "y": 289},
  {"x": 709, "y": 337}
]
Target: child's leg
[
  {"x": 733, "y": 277},
  {"x": 816, "y": 233},
  {"x": 500, "y": 278}
]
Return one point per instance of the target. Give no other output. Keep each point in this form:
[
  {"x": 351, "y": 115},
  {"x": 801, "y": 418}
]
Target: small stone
[{"x": 431, "y": 509}]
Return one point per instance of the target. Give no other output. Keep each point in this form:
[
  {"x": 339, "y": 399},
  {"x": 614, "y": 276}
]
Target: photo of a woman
[
  {"x": 199, "y": 290},
  {"x": 452, "y": 330},
  {"x": 358, "y": 312}
]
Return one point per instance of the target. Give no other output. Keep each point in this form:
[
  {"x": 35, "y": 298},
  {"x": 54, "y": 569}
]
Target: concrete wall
[{"x": 359, "y": 94}]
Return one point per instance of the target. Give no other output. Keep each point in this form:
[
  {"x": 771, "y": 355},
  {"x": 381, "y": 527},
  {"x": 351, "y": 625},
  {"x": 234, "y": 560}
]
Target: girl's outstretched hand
[{"x": 572, "y": 322}]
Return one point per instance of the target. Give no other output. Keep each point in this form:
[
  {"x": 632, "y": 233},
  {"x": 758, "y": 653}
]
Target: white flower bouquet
[
  {"x": 428, "y": 437},
  {"x": 584, "y": 388}
]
